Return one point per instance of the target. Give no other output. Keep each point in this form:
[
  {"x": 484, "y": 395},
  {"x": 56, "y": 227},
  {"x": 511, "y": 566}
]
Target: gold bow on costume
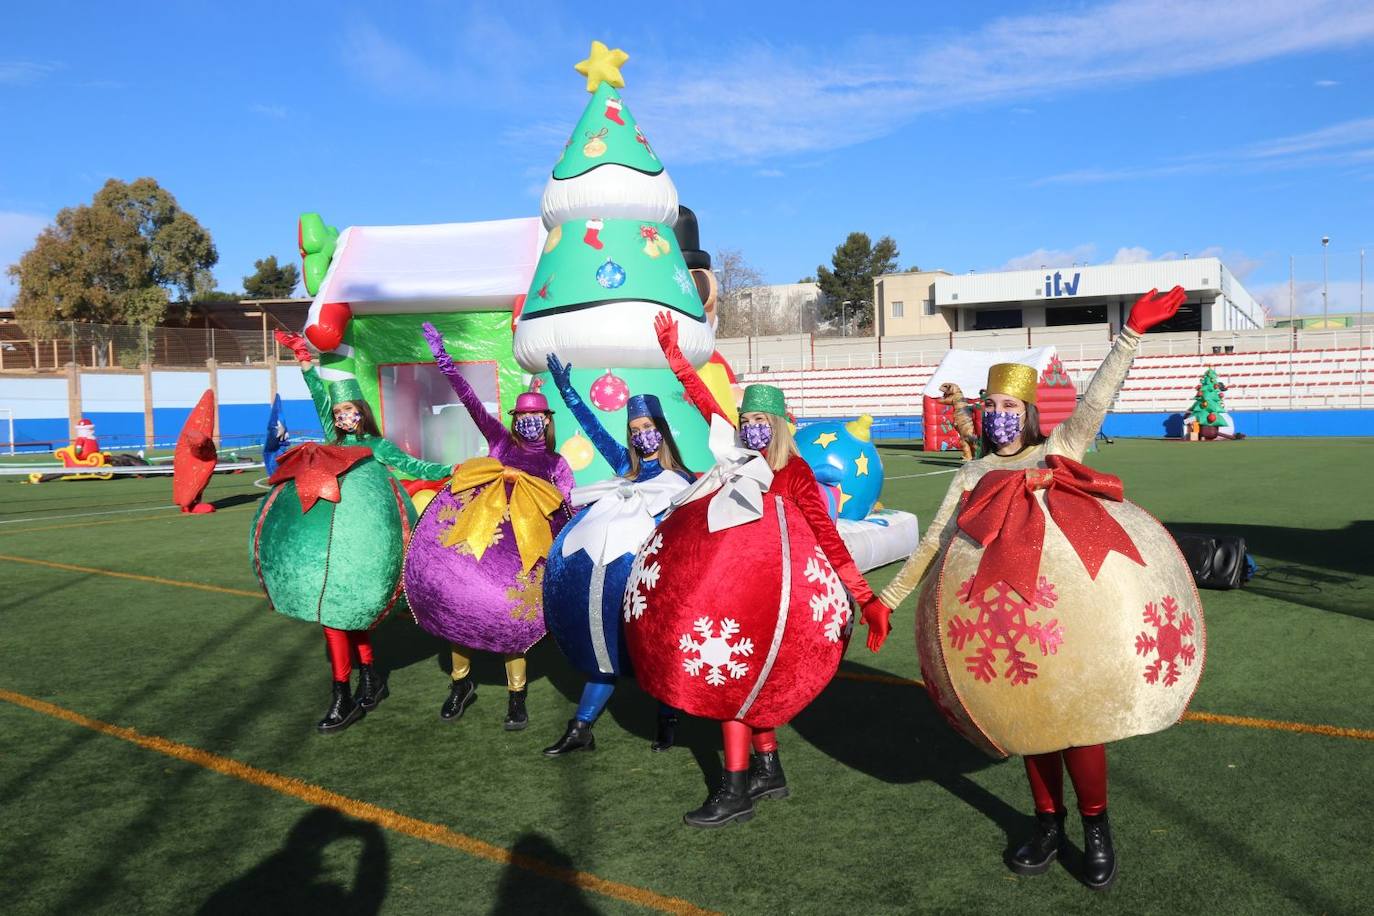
[{"x": 532, "y": 501}]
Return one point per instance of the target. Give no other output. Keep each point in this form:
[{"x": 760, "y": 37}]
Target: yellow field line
[
  {"x": 1207, "y": 718},
  {"x": 156, "y": 580},
  {"x": 394, "y": 821}
]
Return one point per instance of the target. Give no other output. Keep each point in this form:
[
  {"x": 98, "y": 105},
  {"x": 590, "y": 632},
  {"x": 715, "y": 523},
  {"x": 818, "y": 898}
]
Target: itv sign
[{"x": 1056, "y": 285}]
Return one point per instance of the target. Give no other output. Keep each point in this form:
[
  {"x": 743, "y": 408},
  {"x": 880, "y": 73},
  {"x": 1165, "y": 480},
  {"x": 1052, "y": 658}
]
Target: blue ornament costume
[{"x": 589, "y": 563}]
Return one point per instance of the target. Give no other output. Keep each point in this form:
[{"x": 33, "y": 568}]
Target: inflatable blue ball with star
[{"x": 834, "y": 445}]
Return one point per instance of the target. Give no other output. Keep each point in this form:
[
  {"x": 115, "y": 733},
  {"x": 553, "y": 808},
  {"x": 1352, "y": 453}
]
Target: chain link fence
[{"x": 57, "y": 344}]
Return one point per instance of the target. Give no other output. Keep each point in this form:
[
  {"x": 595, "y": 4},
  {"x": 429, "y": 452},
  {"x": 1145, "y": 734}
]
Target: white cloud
[
  {"x": 17, "y": 232},
  {"x": 1327, "y": 84},
  {"x": 1306, "y": 298},
  {"x": 1132, "y": 255},
  {"x": 755, "y": 99},
  {"x": 1344, "y": 143},
  {"x": 1051, "y": 257},
  {"x": 24, "y": 72},
  {"x": 276, "y": 112}
]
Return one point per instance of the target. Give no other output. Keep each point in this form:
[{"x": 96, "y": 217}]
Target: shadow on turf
[
  {"x": 895, "y": 734},
  {"x": 1313, "y": 568},
  {"x": 518, "y": 894},
  {"x": 293, "y": 879}
]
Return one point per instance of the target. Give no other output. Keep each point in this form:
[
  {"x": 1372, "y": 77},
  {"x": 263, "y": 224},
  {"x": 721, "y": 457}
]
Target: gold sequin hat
[{"x": 1016, "y": 379}]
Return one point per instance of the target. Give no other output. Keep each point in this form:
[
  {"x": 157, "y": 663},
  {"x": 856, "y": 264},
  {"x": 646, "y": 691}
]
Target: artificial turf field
[{"x": 891, "y": 811}]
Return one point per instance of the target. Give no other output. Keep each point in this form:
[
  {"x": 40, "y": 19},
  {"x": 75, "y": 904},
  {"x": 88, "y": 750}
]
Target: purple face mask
[
  {"x": 646, "y": 441},
  {"x": 1002, "y": 427},
  {"x": 756, "y": 435},
  {"x": 529, "y": 427},
  {"x": 348, "y": 419}
]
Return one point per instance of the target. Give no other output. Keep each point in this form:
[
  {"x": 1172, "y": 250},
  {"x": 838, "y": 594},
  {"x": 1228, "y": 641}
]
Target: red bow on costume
[
  {"x": 1002, "y": 514},
  {"x": 316, "y": 469}
]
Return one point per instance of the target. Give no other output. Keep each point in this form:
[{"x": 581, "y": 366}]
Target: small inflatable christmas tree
[
  {"x": 612, "y": 262},
  {"x": 1207, "y": 408}
]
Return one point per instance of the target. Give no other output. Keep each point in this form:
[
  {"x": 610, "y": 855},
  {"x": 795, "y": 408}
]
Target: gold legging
[{"x": 515, "y": 667}]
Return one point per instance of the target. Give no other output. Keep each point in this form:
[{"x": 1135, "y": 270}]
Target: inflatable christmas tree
[
  {"x": 610, "y": 264},
  {"x": 1207, "y": 408}
]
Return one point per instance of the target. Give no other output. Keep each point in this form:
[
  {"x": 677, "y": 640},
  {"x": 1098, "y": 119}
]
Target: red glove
[
  {"x": 875, "y": 615},
  {"x": 1152, "y": 309},
  {"x": 666, "y": 329},
  {"x": 296, "y": 344}
]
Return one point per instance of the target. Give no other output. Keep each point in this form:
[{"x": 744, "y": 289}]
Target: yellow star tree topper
[{"x": 602, "y": 66}]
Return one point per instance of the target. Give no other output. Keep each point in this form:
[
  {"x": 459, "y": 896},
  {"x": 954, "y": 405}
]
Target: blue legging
[{"x": 597, "y": 694}]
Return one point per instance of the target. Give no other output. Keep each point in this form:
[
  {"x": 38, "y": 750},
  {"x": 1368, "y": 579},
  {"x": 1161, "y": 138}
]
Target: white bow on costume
[
  {"x": 621, "y": 516},
  {"x": 739, "y": 479}
]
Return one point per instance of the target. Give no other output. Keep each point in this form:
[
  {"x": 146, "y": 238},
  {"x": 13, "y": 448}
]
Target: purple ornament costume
[{"x": 474, "y": 569}]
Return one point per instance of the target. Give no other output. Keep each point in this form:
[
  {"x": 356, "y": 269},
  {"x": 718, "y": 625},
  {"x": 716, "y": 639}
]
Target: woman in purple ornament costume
[{"x": 474, "y": 570}]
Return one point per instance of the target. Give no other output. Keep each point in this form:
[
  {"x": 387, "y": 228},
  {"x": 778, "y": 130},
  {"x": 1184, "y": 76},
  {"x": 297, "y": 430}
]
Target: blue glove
[{"x": 562, "y": 375}]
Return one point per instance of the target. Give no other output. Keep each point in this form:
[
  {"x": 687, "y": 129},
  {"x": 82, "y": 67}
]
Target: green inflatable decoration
[{"x": 317, "y": 243}]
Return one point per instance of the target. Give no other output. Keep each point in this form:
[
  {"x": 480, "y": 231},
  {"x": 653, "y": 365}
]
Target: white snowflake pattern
[
  {"x": 715, "y": 651},
  {"x": 683, "y": 280},
  {"x": 642, "y": 573},
  {"x": 832, "y": 597}
]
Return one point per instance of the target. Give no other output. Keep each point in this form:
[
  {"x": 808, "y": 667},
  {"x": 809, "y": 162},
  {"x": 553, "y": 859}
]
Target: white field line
[{"x": 58, "y": 518}]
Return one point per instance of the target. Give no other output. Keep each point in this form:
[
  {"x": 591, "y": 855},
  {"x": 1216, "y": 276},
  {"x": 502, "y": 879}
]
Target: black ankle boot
[
  {"x": 1037, "y": 854},
  {"x": 578, "y": 737},
  {"x": 1099, "y": 858},
  {"x": 667, "y": 733},
  {"x": 766, "y": 779},
  {"x": 516, "y": 718},
  {"x": 730, "y": 802},
  {"x": 342, "y": 711},
  {"x": 372, "y": 688},
  {"x": 461, "y": 694}
]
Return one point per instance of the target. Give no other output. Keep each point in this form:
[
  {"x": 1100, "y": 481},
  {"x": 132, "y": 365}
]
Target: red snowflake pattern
[
  {"x": 1169, "y": 640},
  {"x": 1002, "y": 626}
]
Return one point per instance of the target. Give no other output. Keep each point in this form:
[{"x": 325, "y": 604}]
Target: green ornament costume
[{"x": 328, "y": 539}]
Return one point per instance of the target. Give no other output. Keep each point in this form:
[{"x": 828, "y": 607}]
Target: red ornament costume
[
  {"x": 1055, "y": 616},
  {"x": 193, "y": 463},
  {"x": 755, "y": 653}
]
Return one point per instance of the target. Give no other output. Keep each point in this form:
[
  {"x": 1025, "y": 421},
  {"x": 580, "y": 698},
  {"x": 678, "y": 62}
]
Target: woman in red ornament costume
[
  {"x": 1034, "y": 555},
  {"x": 736, "y": 608}
]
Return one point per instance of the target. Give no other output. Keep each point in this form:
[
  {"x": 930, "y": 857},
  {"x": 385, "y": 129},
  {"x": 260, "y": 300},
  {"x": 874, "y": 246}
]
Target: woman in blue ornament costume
[{"x": 589, "y": 563}]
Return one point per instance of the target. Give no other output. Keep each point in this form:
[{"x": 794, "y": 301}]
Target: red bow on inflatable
[
  {"x": 1002, "y": 514},
  {"x": 316, "y": 469}
]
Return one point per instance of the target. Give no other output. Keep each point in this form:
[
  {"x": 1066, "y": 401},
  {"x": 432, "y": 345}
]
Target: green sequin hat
[
  {"x": 345, "y": 389},
  {"x": 764, "y": 399}
]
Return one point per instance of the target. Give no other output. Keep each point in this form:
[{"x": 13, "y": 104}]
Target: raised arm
[
  {"x": 491, "y": 427},
  {"x": 616, "y": 454},
  {"x": 1073, "y": 437},
  {"x": 939, "y": 532},
  {"x": 393, "y": 456},
  {"x": 697, "y": 393},
  {"x": 319, "y": 394}
]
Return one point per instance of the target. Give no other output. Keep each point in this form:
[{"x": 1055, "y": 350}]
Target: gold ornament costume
[{"x": 1053, "y": 613}]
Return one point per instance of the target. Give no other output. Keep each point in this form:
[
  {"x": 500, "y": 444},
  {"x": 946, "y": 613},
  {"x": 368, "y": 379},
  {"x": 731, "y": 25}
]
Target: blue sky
[{"x": 979, "y": 136}]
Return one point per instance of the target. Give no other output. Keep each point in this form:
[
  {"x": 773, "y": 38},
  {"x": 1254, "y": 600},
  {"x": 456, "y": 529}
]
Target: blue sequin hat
[{"x": 643, "y": 405}]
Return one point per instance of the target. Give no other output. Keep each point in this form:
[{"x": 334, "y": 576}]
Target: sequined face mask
[
  {"x": 646, "y": 441},
  {"x": 529, "y": 427},
  {"x": 756, "y": 435},
  {"x": 348, "y": 419},
  {"x": 1003, "y": 427}
]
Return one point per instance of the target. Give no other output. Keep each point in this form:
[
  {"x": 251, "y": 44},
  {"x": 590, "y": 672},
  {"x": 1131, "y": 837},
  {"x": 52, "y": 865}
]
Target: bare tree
[{"x": 735, "y": 304}]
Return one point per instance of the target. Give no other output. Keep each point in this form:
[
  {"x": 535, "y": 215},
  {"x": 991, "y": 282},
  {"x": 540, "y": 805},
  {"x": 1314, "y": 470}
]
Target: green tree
[
  {"x": 270, "y": 280},
  {"x": 857, "y": 260},
  {"x": 113, "y": 261},
  {"x": 1208, "y": 408}
]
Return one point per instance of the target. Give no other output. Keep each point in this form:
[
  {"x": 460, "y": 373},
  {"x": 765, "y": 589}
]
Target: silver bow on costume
[
  {"x": 621, "y": 516},
  {"x": 739, "y": 479}
]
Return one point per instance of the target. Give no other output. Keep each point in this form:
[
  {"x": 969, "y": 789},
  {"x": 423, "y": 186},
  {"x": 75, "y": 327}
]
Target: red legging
[
  {"x": 739, "y": 738},
  {"x": 1088, "y": 770},
  {"x": 341, "y": 645}
]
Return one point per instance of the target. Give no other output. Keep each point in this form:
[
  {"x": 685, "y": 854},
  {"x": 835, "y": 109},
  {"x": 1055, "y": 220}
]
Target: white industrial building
[{"x": 1053, "y": 297}]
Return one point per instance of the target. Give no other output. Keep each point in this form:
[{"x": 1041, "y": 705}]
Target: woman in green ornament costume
[{"x": 327, "y": 541}]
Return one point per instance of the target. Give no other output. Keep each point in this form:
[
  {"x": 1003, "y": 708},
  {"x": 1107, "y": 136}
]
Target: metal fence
[{"x": 58, "y": 344}]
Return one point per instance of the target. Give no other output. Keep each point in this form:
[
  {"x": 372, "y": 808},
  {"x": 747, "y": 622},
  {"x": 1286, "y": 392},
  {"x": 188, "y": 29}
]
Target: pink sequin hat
[{"x": 532, "y": 401}]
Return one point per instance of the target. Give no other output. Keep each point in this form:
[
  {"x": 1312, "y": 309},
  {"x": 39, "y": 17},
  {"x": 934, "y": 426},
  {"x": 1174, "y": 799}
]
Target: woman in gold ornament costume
[{"x": 1034, "y": 555}]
